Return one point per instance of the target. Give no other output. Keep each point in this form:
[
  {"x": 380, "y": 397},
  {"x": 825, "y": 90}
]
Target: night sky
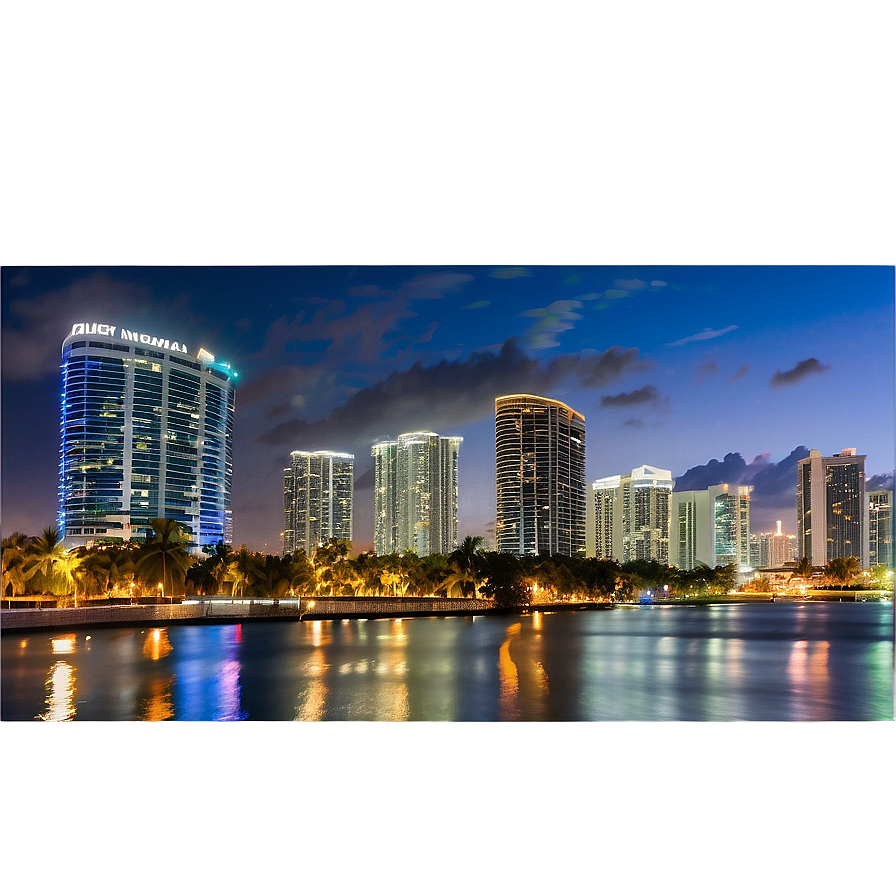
[{"x": 675, "y": 217}]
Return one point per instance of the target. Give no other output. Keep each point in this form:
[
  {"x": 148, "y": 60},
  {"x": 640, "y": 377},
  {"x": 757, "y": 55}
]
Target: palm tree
[
  {"x": 15, "y": 570},
  {"x": 46, "y": 551},
  {"x": 842, "y": 570},
  {"x": 803, "y": 569},
  {"x": 241, "y": 570},
  {"x": 465, "y": 563},
  {"x": 164, "y": 557}
]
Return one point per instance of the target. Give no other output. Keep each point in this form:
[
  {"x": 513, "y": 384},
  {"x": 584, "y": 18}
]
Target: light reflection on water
[{"x": 719, "y": 663}]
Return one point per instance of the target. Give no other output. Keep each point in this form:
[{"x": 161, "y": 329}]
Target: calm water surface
[{"x": 777, "y": 661}]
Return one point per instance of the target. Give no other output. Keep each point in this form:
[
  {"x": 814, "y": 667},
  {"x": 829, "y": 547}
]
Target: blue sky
[
  {"x": 628, "y": 153},
  {"x": 672, "y": 366}
]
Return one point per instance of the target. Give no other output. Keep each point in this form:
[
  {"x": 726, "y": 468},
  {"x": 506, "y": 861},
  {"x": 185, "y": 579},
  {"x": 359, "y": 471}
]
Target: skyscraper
[
  {"x": 146, "y": 432},
  {"x": 880, "y": 528},
  {"x": 830, "y": 507},
  {"x": 415, "y": 494},
  {"x": 540, "y": 465},
  {"x": 317, "y": 499},
  {"x": 606, "y": 499},
  {"x": 645, "y": 514},
  {"x": 712, "y": 526}
]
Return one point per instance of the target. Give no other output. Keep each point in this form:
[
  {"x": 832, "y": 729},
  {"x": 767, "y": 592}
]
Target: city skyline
[{"x": 719, "y": 370}]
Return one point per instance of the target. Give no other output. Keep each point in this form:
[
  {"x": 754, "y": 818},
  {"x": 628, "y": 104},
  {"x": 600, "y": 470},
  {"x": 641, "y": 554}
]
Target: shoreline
[{"x": 233, "y": 612}]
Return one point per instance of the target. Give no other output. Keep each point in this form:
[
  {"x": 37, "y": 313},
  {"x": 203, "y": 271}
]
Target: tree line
[{"x": 161, "y": 567}]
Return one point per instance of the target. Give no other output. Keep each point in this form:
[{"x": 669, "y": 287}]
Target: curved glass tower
[
  {"x": 146, "y": 432},
  {"x": 540, "y": 459}
]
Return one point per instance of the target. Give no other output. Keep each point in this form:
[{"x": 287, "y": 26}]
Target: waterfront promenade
[{"x": 225, "y": 610}]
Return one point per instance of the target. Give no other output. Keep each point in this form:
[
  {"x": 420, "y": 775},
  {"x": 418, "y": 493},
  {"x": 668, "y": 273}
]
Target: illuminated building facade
[
  {"x": 645, "y": 514},
  {"x": 415, "y": 494},
  {"x": 540, "y": 476},
  {"x": 318, "y": 488},
  {"x": 712, "y": 526},
  {"x": 880, "y": 528},
  {"x": 146, "y": 432},
  {"x": 831, "y": 508},
  {"x": 606, "y": 501}
]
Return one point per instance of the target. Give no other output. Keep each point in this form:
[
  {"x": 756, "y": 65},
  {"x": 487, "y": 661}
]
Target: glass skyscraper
[
  {"x": 831, "y": 511},
  {"x": 540, "y": 476},
  {"x": 415, "y": 494},
  {"x": 146, "y": 432},
  {"x": 880, "y": 528},
  {"x": 318, "y": 488}
]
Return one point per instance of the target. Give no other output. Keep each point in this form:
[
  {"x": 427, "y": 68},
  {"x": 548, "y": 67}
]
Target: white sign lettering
[{"x": 129, "y": 335}]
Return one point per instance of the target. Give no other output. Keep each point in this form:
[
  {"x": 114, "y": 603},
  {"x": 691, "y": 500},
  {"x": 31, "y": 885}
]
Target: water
[{"x": 782, "y": 661}]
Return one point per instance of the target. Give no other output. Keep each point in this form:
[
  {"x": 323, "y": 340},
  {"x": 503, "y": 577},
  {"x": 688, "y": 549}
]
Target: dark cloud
[
  {"x": 800, "y": 372},
  {"x": 510, "y": 273},
  {"x": 744, "y": 370},
  {"x": 773, "y": 483},
  {"x": 645, "y": 395},
  {"x": 880, "y": 482},
  {"x": 448, "y": 394},
  {"x": 707, "y": 369},
  {"x": 634, "y": 422}
]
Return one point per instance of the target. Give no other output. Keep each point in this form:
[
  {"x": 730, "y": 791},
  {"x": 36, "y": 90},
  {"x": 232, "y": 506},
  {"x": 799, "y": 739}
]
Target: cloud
[
  {"x": 703, "y": 334},
  {"x": 510, "y": 273},
  {"x": 644, "y": 395},
  {"x": 421, "y": 287},
  {"x": 744, "y": 370},
  {"x": 707, "y": 369},
  {"x": 881, "y": 482},
  {"x": 589, "y": 297},
  {"x": 658, "y": 283},
  {"x": 34, "y": 328},
  {"x": 555, "y": 319},
  {"x": 369, "y": 291},
  {"x": 613, "y": 294},
  {"x": 634, "y": 422},
  {"x": 447, "y": 395},
  {"x": 630, "y": 284},
  {"x": 797, "y": 373},
  {"x": 484, "y": 303},
  {"x": 773, "y": 484}
]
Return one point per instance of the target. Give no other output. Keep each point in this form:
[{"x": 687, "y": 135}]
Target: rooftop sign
[{"x": 127, "y": 335}]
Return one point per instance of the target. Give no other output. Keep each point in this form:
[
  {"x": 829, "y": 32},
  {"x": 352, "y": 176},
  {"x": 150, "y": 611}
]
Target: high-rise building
[
  {"x": 540, "y": 476},
  {"x": 645, "y": 514},
  {"x": 712, "y": 526},
  {"x": 146, "y": 432},
  {"x": 415, "y": 494},
  {"x": 880, "y": 528},
  {"x": 317, "y": 499},
  {"x": 830, "y": 507},
  {"x": 606, "y": 499},
  {"x": 732, "y": 526}
]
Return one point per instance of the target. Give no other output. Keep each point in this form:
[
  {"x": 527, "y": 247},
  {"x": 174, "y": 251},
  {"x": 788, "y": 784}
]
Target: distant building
[
  {"x": 712, "y": 526},
  {"x": 415, "y": 494},
  {"x": 540, "y": 476},
  {"x": 631, "y": 515},
  {"x": 318, "y": 489},
  {"x": 771, "y": 550},
  {"x": 831, "y": 507},
  {"x": 606, "y": 504},
  {"x": 880, "y": 528},
  {"x": 146, "y": 433}
]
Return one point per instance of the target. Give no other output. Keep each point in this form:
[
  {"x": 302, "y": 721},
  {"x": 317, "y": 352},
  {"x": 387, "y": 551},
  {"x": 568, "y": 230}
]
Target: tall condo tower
[
  {"x": 415, "y": 494},
  {"x": 146, "y": 431},
  {"x": 880, "y": 528},
  {"x": 318, "y": 488},
  {"x": 711, "y": 526},
  {"x": 540, "y": 467},
  {"x": 831, "y": 512},
  {"x": 645, "y": 514}
]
